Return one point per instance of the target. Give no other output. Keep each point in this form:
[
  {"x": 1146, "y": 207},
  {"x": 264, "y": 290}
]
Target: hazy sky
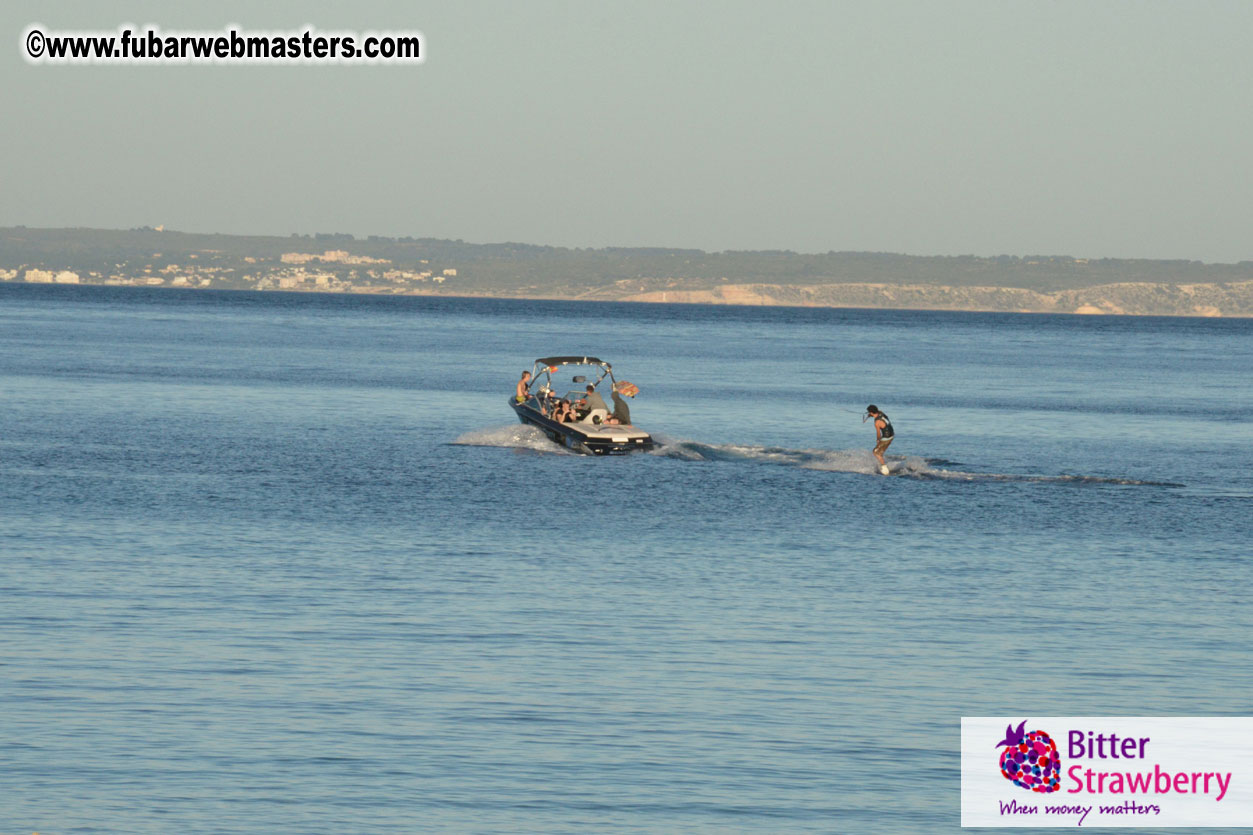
[{"x": 1081, "y": 128}]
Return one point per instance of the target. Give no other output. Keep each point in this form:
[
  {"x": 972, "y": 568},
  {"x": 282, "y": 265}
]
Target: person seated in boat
[
  {"x": 524, "y": 387},
  {"x": 593, "y": 401},
  {"x": 563, "y": 412}
]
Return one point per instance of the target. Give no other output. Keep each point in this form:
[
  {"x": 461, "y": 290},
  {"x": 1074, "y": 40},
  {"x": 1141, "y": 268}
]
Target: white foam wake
[
  {"x": 526, "y": 437},
  {"x": 838, "y": 460},
  {"x": 515, "y": 436},
  {"x": 862, "y": 461}
]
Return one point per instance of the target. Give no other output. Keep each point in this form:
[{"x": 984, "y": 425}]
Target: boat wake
[
  {"x": 514, "y": 436},
  {"x": 531, "y": 438},
  {"x": 861, "y": 461}
]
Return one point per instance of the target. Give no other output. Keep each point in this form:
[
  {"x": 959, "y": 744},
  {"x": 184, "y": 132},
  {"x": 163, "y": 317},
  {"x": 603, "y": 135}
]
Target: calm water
[{"x": 282, "y": 563}]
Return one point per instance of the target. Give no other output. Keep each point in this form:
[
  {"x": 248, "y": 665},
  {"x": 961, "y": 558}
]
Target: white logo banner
[{"x": 1106, "y": 771}]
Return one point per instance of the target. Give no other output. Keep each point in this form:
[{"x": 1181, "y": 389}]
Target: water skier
[{"x": 883, "y": 434}]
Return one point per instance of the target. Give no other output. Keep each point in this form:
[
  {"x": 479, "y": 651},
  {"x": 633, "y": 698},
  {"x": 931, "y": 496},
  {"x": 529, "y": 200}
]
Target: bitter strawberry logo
[{"x": 1030, "y": 759}]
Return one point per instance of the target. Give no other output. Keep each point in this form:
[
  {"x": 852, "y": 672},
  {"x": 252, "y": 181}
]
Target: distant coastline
[{"x": 337, "y": 263}]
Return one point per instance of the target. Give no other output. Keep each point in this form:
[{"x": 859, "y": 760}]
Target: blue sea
[{"x": 287, "y": 563}]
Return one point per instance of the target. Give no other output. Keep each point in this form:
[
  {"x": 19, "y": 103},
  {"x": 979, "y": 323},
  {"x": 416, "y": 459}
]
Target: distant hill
[{"x": 342, "y": 263}]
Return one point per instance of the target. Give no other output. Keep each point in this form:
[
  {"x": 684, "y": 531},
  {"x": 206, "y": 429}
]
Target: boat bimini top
[{"x": 549, "y": 366}]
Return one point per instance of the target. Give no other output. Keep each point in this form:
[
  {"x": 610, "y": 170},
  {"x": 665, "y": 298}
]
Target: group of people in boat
[{"x": 565, "y": 411}]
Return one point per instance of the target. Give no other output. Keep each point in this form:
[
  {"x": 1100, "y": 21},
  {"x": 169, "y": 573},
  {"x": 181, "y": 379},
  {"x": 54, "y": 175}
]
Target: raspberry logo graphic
[{"x": 1030, "y": 759}]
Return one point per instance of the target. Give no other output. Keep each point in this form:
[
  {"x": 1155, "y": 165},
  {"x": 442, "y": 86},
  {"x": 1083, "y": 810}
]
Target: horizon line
[{"x": 769, "y": 251}]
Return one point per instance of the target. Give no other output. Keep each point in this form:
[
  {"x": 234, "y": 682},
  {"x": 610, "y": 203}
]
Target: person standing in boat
[
  {"x": 883, "y": 433},
  {"x": 524, "y": 387},
  {"x": 621, "y": 412}
]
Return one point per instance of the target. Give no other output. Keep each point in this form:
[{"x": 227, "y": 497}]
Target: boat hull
[{"x": 586, "y": 438}]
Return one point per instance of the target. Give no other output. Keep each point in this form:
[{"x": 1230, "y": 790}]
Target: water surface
[{"x": 286, "y": 563}]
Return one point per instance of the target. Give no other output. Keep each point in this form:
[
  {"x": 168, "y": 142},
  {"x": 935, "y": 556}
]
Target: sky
[{"x": 1090, "y": 129}]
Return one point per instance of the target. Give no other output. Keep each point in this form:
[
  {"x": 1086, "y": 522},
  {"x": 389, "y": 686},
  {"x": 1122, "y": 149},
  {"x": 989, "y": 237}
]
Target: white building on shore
[{"x": 50, "y": 277}]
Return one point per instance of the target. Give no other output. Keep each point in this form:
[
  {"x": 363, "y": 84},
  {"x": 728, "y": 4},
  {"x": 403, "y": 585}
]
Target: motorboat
[{"x": 589, "y": 432}]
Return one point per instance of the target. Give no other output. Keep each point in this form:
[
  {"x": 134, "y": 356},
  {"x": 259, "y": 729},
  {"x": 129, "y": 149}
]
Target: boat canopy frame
[{"x": 549, "y": 365}]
